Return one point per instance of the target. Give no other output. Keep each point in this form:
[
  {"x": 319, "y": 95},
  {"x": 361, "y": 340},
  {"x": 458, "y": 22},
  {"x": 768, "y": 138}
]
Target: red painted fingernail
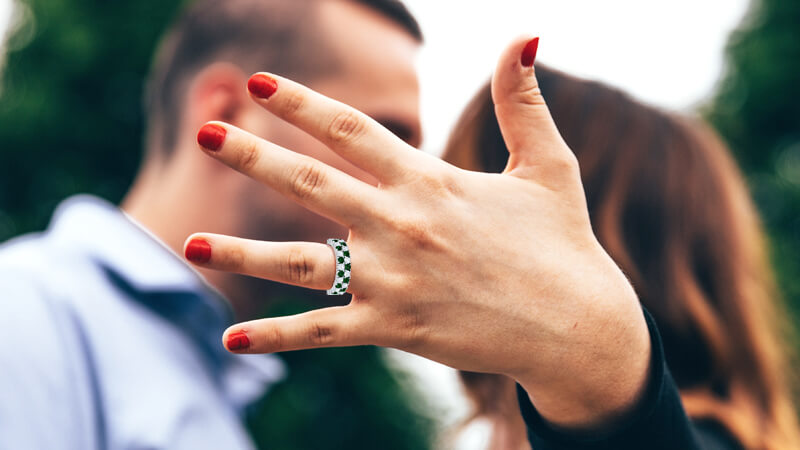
[
  {"x": 237, "y": 341},
  {"x": 529, "y": 52},
  {"x": 262, "y": 86},
  {"x": 198, "y": 251},
  {"x": 211, "y": 136}
]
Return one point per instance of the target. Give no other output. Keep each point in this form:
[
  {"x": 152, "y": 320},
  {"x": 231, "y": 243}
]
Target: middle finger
[{"x": 306, "y": 180}]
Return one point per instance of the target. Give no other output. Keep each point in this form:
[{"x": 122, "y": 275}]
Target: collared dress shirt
[{"x": 109, "y": 340}]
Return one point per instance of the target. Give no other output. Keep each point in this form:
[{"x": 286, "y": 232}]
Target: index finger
[{"x": 345, "y": 130}]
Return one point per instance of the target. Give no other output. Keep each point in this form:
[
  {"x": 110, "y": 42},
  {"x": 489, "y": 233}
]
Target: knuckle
[
  {"x": 320, "y": 335},
  {"x": 410, "y": 328},
  {"x": 299, "y": 269},
  {"x": 305, "y": 180},
  {"x": 346, "y": 127},
  {"x": 529, "y": 94},
  {"x": 442, "y": 182},
  {"x": 292, "y": 105},
  {"x": 248, "y": 156},
  {"x": 451, "y": 184},
  {"x": 417, "y": 233}
]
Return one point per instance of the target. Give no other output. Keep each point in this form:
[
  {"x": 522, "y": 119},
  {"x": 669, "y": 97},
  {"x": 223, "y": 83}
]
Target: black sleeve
[{"x": 659, "y": 421}]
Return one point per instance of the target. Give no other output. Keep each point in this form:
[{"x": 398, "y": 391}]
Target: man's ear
[{"x": 217, "y": 93}]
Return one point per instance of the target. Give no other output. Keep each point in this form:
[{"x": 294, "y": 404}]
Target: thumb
[{"x": 528, "y": 130}]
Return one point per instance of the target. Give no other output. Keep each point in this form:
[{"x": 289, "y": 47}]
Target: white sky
[{"x": 666, "y": 53}]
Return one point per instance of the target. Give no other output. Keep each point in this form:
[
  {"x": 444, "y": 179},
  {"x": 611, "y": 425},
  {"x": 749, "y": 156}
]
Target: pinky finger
[{"x": 339, "y": 326}]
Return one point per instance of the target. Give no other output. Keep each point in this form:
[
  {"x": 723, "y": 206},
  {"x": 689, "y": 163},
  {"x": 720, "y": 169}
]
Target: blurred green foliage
[
  {"x": 341, "y": 398},
  {"x": 71, "y": 121},
  {"x": 70, "y": 115},
  {"x": 757, "y": 111}
]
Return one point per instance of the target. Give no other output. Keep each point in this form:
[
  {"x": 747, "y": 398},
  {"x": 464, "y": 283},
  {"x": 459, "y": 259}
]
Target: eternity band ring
[{"x": 341, "y": 254}]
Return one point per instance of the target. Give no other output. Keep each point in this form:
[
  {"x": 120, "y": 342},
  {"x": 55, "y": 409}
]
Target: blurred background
[{"x": 71, "y": 76}]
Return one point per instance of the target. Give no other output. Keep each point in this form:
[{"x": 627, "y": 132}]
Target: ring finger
[{"x": 305, "y": 264}]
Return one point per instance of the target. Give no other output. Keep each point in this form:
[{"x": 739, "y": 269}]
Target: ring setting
[{"x": 341, "y": 255}]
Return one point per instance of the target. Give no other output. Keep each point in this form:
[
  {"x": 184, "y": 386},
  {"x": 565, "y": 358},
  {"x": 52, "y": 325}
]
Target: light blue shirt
[{"x": 110, "y": 340}]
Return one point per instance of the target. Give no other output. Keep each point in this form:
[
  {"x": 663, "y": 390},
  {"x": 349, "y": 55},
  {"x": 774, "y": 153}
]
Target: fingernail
[
  {"x": 237, "y": 341},
  {"x": 261, "y": 85},
  {"x": 211, "y": 136},
  {"x": 529, "y": 52},
  {"x": 198, "y": 251}
]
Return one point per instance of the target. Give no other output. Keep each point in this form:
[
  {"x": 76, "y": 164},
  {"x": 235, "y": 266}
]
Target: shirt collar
[
  {"x": 110, "y": 235},
  {"x": 140, "y": 264}
]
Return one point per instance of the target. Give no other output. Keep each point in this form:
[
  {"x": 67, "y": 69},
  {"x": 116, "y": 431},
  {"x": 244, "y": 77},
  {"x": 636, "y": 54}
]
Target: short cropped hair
[{"x": 281, "y": 36}]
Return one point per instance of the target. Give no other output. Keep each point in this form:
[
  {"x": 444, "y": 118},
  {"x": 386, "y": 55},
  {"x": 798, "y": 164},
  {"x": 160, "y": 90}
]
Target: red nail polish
[
  {"x": 238, "y": 341},
  {"x": 262, "y": 86},
  {"x": 211, "y": 136},
  {"x": 198, "y": 251},
  {"x": 529, "y": 52}
]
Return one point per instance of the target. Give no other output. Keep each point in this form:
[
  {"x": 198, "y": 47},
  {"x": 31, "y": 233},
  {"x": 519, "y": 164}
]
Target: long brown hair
[{"x": 670, "y": 206}]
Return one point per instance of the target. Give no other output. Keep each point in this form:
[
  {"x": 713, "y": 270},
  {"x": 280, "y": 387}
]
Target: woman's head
[{"x": 669, "y": 205}]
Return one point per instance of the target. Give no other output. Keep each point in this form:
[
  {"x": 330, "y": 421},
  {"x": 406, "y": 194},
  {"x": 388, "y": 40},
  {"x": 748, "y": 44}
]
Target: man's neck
[
  {"x": 171, "y": 208},
  {"x": 154, "y": 208},
  {"x": 171, "y": 203}
]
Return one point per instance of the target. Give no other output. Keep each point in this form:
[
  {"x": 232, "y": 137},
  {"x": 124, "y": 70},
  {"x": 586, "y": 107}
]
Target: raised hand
[{"x": 483, "y": 272}]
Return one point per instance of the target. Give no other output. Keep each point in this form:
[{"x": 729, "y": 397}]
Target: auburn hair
[{"x": 670, "y": 206}]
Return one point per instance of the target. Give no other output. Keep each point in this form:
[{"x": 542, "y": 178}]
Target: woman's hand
[{"x": 483, "y": 272}]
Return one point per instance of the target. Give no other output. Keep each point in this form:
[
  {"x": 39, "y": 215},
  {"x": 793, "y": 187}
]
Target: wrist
[{"x": 601, "y": 381}]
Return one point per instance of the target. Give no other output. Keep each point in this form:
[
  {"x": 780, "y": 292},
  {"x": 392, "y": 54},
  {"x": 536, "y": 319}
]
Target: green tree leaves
[{"x": 757, "y": 111}]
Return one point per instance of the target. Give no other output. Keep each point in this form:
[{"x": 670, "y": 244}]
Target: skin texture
[
  {"x": 483, "y": 272},
  {"x": 175, "y": 198}
]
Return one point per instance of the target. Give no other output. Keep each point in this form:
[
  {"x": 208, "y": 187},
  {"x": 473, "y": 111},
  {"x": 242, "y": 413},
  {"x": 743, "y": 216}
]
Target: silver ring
[{"x": 341, "y": 254}]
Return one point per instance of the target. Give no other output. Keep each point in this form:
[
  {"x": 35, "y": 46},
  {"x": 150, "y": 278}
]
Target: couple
[{"x": 522, "y": 273}]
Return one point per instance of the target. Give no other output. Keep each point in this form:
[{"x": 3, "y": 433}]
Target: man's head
[
  {"x": 299, "y": 39},
  {"x": 360, "y": 52}
]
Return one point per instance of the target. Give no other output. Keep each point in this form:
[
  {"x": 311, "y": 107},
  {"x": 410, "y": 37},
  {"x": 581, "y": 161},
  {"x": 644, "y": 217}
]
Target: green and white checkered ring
[{"x": 342, "y": 255}]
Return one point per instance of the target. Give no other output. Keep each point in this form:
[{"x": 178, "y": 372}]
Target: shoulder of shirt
[
  {"x": 36, "y": 264},
  {"x": 42, "y": 347},
  {"x": 36, "y": 283},
  {"x": 34, "y": 325}
]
